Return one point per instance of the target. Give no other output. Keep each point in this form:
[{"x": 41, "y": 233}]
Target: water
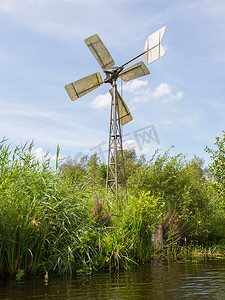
[{"x": 158, "y": 280}]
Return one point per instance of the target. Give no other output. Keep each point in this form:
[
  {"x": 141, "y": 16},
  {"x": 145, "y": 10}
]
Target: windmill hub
[
  {"x": 120, "y": 113},
  {"x": 112, "y": 75}
]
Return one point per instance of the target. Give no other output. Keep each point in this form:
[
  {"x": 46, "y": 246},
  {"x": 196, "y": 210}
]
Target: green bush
[
  {"x": 183, "y": 187},
  {"x": 60, "y": 220}
]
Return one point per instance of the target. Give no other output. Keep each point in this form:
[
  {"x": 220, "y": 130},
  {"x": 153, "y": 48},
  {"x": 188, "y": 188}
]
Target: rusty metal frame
[{"x": 115, "y": 166}]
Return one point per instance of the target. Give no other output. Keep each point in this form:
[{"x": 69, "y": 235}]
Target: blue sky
[{"x": 42, "y": 48}]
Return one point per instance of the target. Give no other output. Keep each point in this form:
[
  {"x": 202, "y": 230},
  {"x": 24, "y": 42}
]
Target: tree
[
  {"x": 217, "y": 168},
  {"x": 89, "y": 170},
  {"x": 181, "y": 185},
  {"x": 217, "y": 177}
]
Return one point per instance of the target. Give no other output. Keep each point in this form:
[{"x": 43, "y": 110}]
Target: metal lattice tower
[
  {"x": 120, "y": 114},
  {"x": 115, "y": 167}
]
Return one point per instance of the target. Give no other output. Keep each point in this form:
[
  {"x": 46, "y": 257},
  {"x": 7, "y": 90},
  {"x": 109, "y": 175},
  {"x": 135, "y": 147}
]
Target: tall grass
[
  {"x": 50, "y": 222},
  {"x": 37, "y": 213},
  {"x": 190, "y": 252}
]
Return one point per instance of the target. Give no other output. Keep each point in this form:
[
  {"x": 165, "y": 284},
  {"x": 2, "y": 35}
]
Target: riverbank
[{"x": 58, "y": 220}]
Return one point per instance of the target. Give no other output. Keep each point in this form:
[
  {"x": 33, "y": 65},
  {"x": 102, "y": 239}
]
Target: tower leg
[{"x": 115, "y": 167}]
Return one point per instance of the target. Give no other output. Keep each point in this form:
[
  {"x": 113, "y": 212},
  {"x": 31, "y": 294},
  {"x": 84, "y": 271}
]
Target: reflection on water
[{"x": 158, "y": 280}]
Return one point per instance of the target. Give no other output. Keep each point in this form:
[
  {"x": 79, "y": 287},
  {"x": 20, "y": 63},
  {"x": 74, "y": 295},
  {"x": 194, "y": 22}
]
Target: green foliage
[
  {"x": 36, "y": 211},
  {"x": 183, "y": 187},
  {"x": 217, "y": 185},
  {"x": 53, "y": 221},
  {"x": 86, "y": 173},
  {"x": 217, "y": 168},
  {"x": 125, "y": 237},
  {"x": 60, "y": 220},
  {"x": 140, "y": 217},
  {"x": 132, "y": 162}
]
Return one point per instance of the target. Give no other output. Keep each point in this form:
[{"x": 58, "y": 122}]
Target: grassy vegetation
[{"x": 58, "y": 218}]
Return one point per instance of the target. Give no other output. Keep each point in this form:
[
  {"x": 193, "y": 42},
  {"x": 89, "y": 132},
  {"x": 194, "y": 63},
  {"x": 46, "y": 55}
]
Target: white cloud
[
  {"x": 138, "y": 89},
  {"x": 39, "y": 153},
  {"x": 42, "y": 155},
  {"x": 166, "y": 92},
  {"x": 162, "y": 90},
  {"x": 143, "y": 93},
  {"x": 148, "y": 149},
  {"x": 101, "y": 101},
  {"x": 129, "y": 144},
  {"x": 135, "y": 85}
]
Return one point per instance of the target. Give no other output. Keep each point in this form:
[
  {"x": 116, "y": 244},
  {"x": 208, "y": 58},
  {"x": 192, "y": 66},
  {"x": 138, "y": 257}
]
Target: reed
[
  {"x": 36, "y": 210},
  {"x": 191, "y": 252},
  {"x": 54, "y": 222}
]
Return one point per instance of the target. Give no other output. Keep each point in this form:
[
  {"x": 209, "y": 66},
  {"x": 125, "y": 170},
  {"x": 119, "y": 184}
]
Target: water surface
[{"x": 158, "y": 280}]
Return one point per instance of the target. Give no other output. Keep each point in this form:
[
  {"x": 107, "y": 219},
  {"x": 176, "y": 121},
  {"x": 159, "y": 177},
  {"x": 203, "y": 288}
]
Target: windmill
[{"x": 120, "y": 113}]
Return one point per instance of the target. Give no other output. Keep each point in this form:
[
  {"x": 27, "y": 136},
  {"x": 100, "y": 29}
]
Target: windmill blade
[
  {"x": 83, "y": 86},
  {"x": 135, "y": 71},
  {"x": 100, "y": 52},
  {"x": 124, "y": 112},
  {"x": 153, "y": 48}
]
